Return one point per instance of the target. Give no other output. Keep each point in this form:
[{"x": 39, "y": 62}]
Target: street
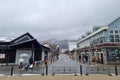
[
  {"x": 64, "y": 65},
  {"x": 65, "y": 61}
]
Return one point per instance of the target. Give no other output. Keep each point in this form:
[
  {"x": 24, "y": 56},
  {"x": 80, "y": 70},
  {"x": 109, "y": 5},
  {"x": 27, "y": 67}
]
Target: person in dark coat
[
  {"x": 31, "y": 62},
  {"x": 79, "y": 58}
]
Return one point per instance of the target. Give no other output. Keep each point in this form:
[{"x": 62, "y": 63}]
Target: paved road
[
  {"x": 65, "y": 61},
  {"x": 60, "y": 77}
]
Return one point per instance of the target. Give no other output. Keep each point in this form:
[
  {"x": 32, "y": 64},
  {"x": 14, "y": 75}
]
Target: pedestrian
[
  {"x": 86, "y": 58},
  {"x": 79, "y": 58},
  {"x": 83, "y": 58},
  {"x": 21, "y": 65},
  {"x": 31, "y": 62},
  {"x": 21, "y": 60}
]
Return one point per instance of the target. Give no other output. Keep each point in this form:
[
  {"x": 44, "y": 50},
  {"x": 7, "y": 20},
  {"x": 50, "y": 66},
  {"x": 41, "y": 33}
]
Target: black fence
[
  {"x": 14, "y": 70},
  {"x": 97, "y": 70},
  {"x": 64, "y": 70},
  {"x": 102, "y": 70},
  {"x": 43, "y": 70}
]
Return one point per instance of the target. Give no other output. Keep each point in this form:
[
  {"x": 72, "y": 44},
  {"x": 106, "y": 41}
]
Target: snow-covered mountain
[{"x": 62, "y": 43}]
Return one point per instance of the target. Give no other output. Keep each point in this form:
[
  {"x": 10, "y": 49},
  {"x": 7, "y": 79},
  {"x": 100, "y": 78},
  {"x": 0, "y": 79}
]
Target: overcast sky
[{"x": 62, "y": 19}]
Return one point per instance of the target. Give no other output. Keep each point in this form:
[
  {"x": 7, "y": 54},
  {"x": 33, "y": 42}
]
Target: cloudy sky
[{"x": 61, "y": 19}]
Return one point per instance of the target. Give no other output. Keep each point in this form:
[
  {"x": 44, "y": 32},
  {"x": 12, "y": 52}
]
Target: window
[
  {"x": 104, "y": 39},
  {"x": 116, "y": 38},
  {"x": 111, "y": 31},
  {"x": 116, "y": 31},
  {"x": 111, "y": 38},
  {"x": 113, "y": 55},
  {"x": 101, "y": 41},
  {"x": 98, "y": 41},
  {"x": 119, "y": 31}
]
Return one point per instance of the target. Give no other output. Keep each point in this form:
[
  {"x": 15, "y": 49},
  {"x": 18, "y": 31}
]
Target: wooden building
[{"x": 24, "y": 46}]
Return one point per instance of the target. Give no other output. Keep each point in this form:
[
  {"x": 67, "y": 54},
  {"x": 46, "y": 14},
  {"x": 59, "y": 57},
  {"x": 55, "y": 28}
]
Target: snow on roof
[{"x": 5, "y": 39}]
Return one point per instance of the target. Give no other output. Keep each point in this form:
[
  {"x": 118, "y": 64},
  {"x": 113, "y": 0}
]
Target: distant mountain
[
  {"x": 62, "y": 43},
  {"x": 54, "y": 41}
]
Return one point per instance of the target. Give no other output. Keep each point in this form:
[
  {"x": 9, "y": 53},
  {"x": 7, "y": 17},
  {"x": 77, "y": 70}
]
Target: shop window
[{"x": 113, "y": 55}]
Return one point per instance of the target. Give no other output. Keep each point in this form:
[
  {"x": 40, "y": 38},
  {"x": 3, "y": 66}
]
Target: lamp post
[
  {"x": 89, "y": 56},
  {"x": 79, "y": 54},
  {"x": 79, "y": 60},
  {"x": 116, "y": 63}
]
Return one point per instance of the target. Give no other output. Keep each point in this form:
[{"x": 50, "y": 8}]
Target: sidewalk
[{"x": 61, "y": 77}]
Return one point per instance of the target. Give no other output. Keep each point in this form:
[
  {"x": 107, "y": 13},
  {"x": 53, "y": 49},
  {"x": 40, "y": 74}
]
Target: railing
[
  {"x": 11, "y": 70},
  {"x": 64, "y": 70},
  {"x": 98, "y": 70}
]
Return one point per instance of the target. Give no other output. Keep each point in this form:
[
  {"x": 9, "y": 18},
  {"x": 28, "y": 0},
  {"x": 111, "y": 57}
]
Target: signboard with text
[{"x": 2, "y": 56}]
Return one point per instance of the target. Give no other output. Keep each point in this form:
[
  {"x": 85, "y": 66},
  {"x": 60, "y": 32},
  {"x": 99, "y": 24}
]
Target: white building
[{"x": 72, "y": 45}]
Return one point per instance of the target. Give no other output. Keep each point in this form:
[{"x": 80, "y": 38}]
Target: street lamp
[
  {"x": 89, "y": 56},
  {"x": 116, "y": 63},
  {"x": 79, "y": 53}
]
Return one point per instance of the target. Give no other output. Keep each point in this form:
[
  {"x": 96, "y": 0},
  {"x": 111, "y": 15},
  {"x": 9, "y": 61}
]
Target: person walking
[
  {"x": 21, "y": 65},
  {"x": 79, "y": 58},
  {"x": 31, "y": 62}
]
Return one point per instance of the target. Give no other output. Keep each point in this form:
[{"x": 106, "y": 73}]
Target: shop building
[{"x": 103, "y": 44}]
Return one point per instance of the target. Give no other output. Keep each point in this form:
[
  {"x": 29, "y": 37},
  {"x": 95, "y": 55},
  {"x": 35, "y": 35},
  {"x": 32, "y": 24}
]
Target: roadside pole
[
  {"x": 81, "y": 70},
  {"x": 11, "y": 71},
  {"x": 46, "y": 65}
]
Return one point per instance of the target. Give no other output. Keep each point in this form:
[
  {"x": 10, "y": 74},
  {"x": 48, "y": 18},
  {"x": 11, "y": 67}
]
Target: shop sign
[{"x": 2, "y": 56}]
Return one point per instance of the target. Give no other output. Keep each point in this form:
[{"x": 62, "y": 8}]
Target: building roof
[
  {"x": 17, "y": 38},
  {"x": 95, "y": 32},
  {"x": 99, "y": 30},
  {"x": 9, "y": 39},
  {"x": 6, "y": 39},
  {"x": 21, "y": 40},
  {"x": 114, "y": 21}
]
